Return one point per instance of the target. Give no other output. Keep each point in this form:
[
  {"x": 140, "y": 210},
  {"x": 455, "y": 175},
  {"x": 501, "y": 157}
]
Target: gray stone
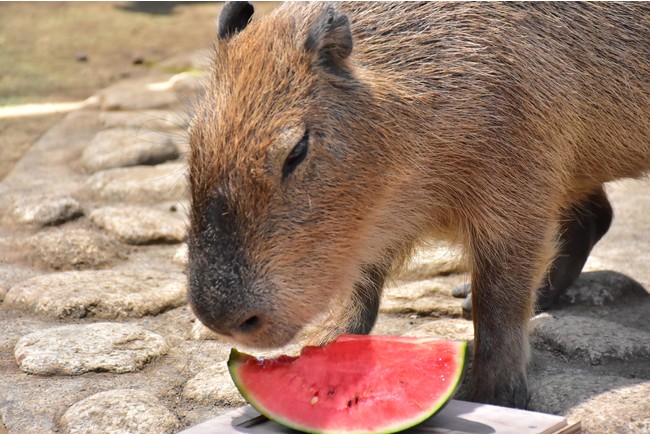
[
  {"x": 119, "y": 411},
  {"x": 189, "y": 82},
  {"x": 213, "y": 385},
  {"x": 100, "y": 294},
  {"x": 149, "y": 120},
  {"x": 436, "y": 260},
  {"x": 141, "y": 184},
  {"x": 591, "y": 338},
  {"x": 122, "y": 147},
  {"x": 180, "y": 257},
  {"x": 45, "y": 167},
  {"x": 603, "y": 404},
  {"x": 43, "y": 210},
  {"x": 426, "y": 297},
  {"x": 599, "y": 288},
  {"x": 139, "y": 225},
  {"x": 79, "y": 348},
  {"x": 449, "y": 328},
  {"x": 10, "y": 275},
  {"x": 66, "y": 248},
  {"x": 196, "y": 60},
  {"x": 139, "y": 94},
  {"x": 200, "y": 332}
]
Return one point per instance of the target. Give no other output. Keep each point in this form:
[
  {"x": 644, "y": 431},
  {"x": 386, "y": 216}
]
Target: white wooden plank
[{"x": 458, "y": 417}]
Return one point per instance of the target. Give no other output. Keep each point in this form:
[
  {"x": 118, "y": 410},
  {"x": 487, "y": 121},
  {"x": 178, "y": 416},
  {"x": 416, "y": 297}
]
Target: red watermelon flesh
[{"x": 356, "y": 384}]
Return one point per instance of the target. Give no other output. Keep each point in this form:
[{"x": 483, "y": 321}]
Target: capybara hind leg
[{"x": 580, "y": 229}]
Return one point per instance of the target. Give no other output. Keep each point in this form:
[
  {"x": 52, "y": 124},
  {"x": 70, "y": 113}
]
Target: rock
[
  {"x": 591, "y": 338},
  {"x": 149, "y": 120},
  {"x": 426, "y": 297},
  {"x": 43, "y": 210},
  {"x": 434, "y": 261},
  {"x": 200, "y": 332},
  {"x": 213, "y": 385},
  {"x": 196, "y": 60},
  {"x": 119, "y": 411},
  {"x": 9, "y": 276},
  {"x": 65, "y": 248},
  {"x": 142, "y": 184},
  {"x": 180, "y": 257},
  {"x": 189, "y": 82},
  {"x": 122, "y": 147},
  {"x": 451, "y": 328},
  {"x": 600, "y": 288},
  {"x": 603, "y": 404},
  {"x": 79, "y": 348},
  {"x": 136, "y": 95},
  {"x": 139, "y": 225},
  {"x": 99, "y": 294}
]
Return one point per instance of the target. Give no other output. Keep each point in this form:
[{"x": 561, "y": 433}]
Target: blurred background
[{"x": 53, "y": 52}]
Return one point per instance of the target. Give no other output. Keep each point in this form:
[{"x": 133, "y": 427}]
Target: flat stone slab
[
  {"x": 591, "y": 338},
  {"x": 123, "y": 147},
  {"x": 140, "y": 184},
  {"x": 603, "y": 404},
  {"x": 213, "y": 385},
  {"x": 448, "y": 328},
  {"x": 65, "y": 248},
  {"x": 139, "y": 225},
  {"x": 200, "y": 332},
  {"x": 426, "y": 297},
  {"x": 138, "y": 94},
  {"x": 44, "y": 210},
  {"x": 79, "y": 348},
  {"x": 149, "y": 120},
  {"x": 435, "y": 261},
  {"x": 99, "y": 294},
  {"x": 119, "y": 411},
  {"x": 181, "y": 255},
  {"x": 10, "y": 275}
]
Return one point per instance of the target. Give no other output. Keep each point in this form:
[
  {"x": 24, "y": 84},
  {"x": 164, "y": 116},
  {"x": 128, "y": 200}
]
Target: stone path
[{"x": 97, "y": 336}]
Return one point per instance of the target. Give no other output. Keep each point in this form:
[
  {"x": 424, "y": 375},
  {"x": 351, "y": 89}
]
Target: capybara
[{"x": 333, "y": 139}]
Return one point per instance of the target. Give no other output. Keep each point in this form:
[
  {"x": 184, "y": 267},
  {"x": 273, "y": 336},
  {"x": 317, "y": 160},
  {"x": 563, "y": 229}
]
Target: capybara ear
[
  {"x": 330, "y": 40},
  {"x": 234, "y": 18}
]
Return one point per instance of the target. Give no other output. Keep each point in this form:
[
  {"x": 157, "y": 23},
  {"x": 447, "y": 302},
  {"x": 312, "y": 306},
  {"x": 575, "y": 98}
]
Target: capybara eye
[{"x": 298, "y": 153}]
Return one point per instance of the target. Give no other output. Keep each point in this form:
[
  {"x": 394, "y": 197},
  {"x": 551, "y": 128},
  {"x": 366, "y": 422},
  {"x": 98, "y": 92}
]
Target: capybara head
[{"x": 287, "y": 189}]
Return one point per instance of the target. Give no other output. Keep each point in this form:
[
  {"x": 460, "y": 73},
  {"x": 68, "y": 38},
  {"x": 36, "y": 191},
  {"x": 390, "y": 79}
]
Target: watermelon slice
[{"x": 356, "y": 384}]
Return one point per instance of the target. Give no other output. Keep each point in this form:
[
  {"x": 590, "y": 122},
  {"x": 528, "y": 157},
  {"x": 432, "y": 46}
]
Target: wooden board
[{"x": 458, "y": 417}]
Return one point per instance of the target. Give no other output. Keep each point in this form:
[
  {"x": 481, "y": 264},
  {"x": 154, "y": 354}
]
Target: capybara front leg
[{"x": 505, "y": 275}]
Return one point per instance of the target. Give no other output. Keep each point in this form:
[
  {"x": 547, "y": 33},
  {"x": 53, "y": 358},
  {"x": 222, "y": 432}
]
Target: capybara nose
[
  {"x": 238, "y": 327},
  {"x": 251, "y": 324},
  {"x": 232, "y": 323}
]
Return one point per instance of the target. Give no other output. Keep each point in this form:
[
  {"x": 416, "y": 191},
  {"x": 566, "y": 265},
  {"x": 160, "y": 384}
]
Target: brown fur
[{"x": 480, "y": 123}]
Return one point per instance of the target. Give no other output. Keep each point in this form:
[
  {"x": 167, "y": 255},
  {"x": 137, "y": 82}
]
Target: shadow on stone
[
  {"x": 152, "y": 8},
  {"x": 602, "y": 288}
]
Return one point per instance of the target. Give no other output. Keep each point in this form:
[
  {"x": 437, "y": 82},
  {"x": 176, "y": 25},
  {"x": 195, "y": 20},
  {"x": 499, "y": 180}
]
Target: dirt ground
[{"x": 66, "y": 51}]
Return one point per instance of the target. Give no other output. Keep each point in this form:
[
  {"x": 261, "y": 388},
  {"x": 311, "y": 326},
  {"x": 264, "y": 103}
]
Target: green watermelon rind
[{"x": 236, "y": 356}]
